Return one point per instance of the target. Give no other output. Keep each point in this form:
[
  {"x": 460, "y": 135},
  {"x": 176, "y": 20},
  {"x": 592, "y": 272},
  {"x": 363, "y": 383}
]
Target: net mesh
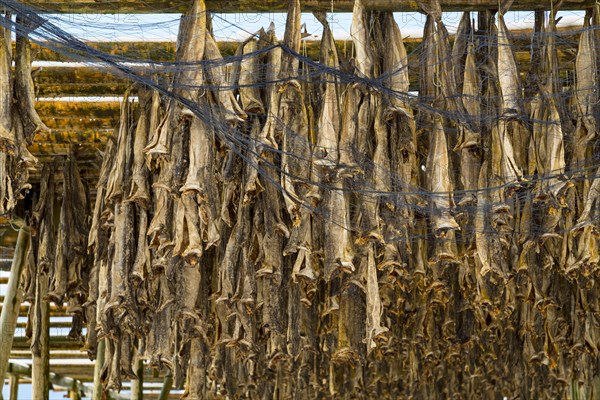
[{"x": 384, "y": 222}]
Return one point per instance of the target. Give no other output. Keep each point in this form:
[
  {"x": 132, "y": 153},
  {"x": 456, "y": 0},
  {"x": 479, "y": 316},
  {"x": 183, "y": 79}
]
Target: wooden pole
[
  {"x": 14, "y": 387},
  {"x": 40, "y": 373},
  {"x": 98, "y": 392},
  {"x": 166, "y": 387},
  {"x": 12, "y": 301},
  {"x": 137, "y": 385},
  {"x": 151, "y": 6},
  {"x": 74, "y": 392}
]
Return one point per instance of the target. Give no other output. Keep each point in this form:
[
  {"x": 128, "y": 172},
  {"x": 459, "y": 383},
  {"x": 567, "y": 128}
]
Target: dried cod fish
[
  {"x": 249, "y": 71},
  {"x": 469, "y": 142},
  {"x": 24, "y": 87},
  {"x": 359, "y": 33},
  {"x": 586, "y": 95},
  {"x": 98, "y": 247},
  {"x": 337, "y": 244},
  {"x": 7, "y": 138},
  {"x": 44, "y": 221},
  {"x": 439, "y": 183},
  {"x": 71, "y": 246},
  {"x": 508, "y": 73},
  {"x": 191, "y": 43},
  {"x": 462, "y": 38}
]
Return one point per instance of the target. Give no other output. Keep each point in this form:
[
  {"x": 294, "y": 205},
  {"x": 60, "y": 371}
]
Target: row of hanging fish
[
  {"x": 279, "y": 228},
  {"x": 19, "y": 121}
]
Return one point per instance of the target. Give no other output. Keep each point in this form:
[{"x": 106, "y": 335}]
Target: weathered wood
[
  {"x": 59, "y": 380},
  {"x": 12, "y": 301},
  {"x": 57, "y": 343},
  {"x": 90, "y": 110},
  {"x": 56, "y": 354},
  {"x": 235, "y": 6},
  {"x": 97, "y": 391},
  {"x": 40, "y": 368},
  {"x": 137, "y": 385},
  {"x": 74, "y": 391},
  {"x": 166, "y": 388},
  {"x": 14, "y": 387},
  {"x": 91, "y": 81}
]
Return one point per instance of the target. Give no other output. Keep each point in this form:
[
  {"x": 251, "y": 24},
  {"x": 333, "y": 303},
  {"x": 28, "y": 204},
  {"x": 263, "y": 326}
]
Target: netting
[{"x": 396, "y": 224}]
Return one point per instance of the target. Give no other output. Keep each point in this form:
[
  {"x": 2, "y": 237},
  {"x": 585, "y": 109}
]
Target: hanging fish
[
  {"x": 191, "y": 44},
  {"x": 24, "y": 87}
]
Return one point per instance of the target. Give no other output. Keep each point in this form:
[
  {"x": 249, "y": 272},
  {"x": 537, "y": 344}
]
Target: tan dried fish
[
  {"x": 7, "y": 138},
  {"x": 438, "y": 181},
  {"x": 400, "y": 123},
  {"x": 510, "y": 137},
  {"x": 586, "y": 94},
  {"x": 248, "y": 82},
  {"x": 471, "y": 92},
  {"x": 428, "y": 61},
  {"x": 586, "y": 112},
  {"x": 359, "y": 32},
  {"x": 395, "y": 67},
  {"x": 114, "y": 186},
  {"x": 71, "y": 245},
  {"x": 191, "y": 43},
  {"x": 326, "y": 150},
  {"x": 293, "y": 124},
  {"x": 462, "y": 39},
  {"x": 546, "y": 150},
  {"x": 374, "y": 307},
  {"x": 337, "y": 244},
  {"x": 24, "y": 87},
  {"x": 438, "y": 52},
  {"x": 199, "y": 193},
  {"x": 98, "y": 247},
  {"x": 216, "y": 74},
  {"x": 469, "y": 141},
  {"x": 44, "y": 221},
  {"x": 15, "y": 158},
  {"x": 508, "y": 73}
]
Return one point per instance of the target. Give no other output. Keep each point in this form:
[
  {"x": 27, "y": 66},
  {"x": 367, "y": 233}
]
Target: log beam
[
  {"x": 14, "y": 387},
  {"x": 12, "y": 301},
  {"x": 40, "y": 368},
  {"x": 97, "y": 389},
  {"x": 234, "y": 6}
]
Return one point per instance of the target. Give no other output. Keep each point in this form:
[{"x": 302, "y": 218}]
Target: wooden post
[
  {"x": 166, "y": 387},
  {"x": 14, "y": 387},
  {"x": 150, "y": 6},
  {"x": 12, "y": 301},
  {"x": 98, "y": 393},
  {"x": 74, "y": 392},
  {"x": 137, "y": 385},
  {"x": 40, "y": 373}
]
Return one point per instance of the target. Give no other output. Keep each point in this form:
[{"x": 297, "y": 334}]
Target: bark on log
[
  {"x": 230, "y": 6},
  {"x": 12, "y": 300}
]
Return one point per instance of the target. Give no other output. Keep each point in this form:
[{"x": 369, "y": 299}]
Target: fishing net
[{"x": 374, "y": 222}]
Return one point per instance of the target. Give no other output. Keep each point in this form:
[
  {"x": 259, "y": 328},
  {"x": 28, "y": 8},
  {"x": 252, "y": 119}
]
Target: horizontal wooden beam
[
  {"x": 61, "y": 381},
  {"x": 234, "y": 6}
]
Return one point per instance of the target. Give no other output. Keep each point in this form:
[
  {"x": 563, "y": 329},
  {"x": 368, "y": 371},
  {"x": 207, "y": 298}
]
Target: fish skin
[
  {"x": 508, "y": 73},
  {"x": 395, "y": 67},
  {"x": 25, "y": 89},
  {"x": 462, "y": 38},
  {"x": 326, "y": 150},
  {"x": 7, "y": 136},
  {"x": 359, "y": 33},
  {"x": 586, "y": 94},
  {"x": 438, "y": 182},
  {"x": 249, "y": 90}
]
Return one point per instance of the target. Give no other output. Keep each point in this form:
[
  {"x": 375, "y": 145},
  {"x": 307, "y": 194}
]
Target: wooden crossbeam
[
  {"x": 62, "y": 381},
  {"x": 235, "y": 6}
]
